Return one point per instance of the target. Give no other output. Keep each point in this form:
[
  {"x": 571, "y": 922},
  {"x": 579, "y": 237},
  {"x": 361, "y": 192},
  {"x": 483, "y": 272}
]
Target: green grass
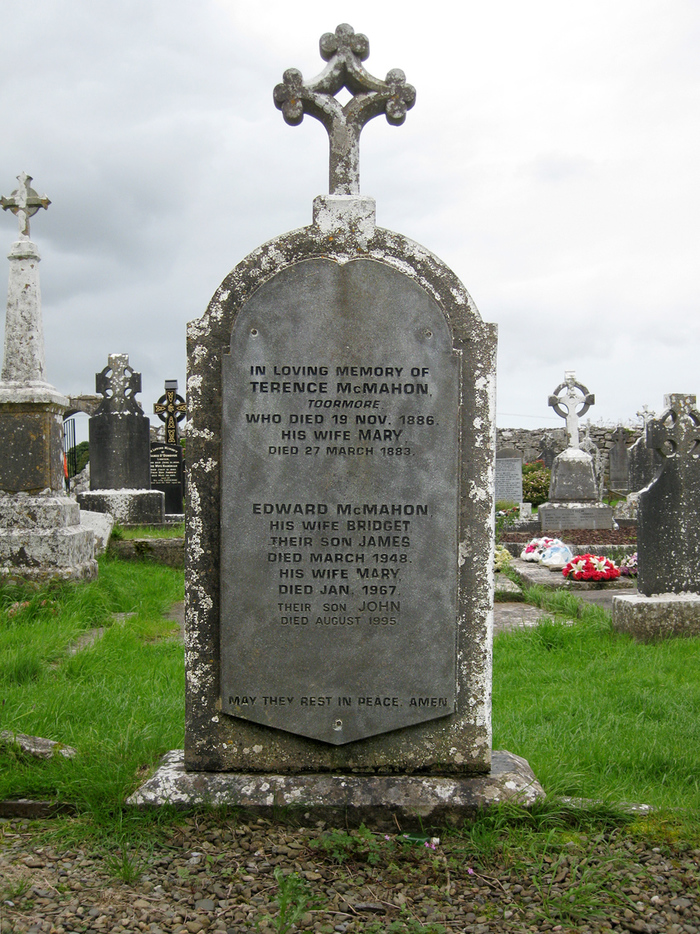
[
  {"x": 172, "y": 530},
  {"x": 597, "y": 714},
  {"x": 119, "y": 702}
]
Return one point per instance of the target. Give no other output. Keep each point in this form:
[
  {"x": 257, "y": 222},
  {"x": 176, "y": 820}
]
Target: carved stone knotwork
[
  {"x": 344, "y": 51},
  {"x": 24, "y": 202},
  {"x": 676, "y": 433},
  {"x": 118, "y": 384},
  {"x": 171, "y": 408},
  {"x": 566, "y": 405}
]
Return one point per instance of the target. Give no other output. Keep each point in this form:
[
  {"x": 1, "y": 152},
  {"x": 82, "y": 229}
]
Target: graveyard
[{"x": 351, "y": 658}]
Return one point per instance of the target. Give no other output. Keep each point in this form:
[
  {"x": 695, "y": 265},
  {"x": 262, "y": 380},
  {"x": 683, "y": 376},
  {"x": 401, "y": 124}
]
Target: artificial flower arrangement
[
  {"x": 535, "y": 548},
  {"x": 502, "y": 558},
  {"x": 628, "y": 566},
  {"x": 591, "y": 568}
]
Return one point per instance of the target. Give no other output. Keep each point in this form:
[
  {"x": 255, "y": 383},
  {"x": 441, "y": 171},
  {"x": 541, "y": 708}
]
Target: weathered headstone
[
  {"x": 339, "y": 526},
  {"x": 167, "y": 468},
  {"x": 668, "y": 531},
  {"x": 573, "y": 491},
  {"x": 645, "y": 463},
  {"x": 40, "y": 533},
  {"x": 589, "y": 446},
  {"x": 509, "y": 476},
  {"x": 548, "y": 451},
  {"x": 119, "y": 432},
  {"x": 619, "y": 463}
]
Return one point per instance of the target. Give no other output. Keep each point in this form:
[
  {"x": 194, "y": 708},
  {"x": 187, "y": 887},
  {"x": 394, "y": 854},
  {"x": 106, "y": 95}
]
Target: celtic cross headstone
[
  {"x": 565, "y": 401},
  {"x": 574, "y": 489},
  {"x": 120, "y": 447},
  {"x": 167, "y": 467},
  {"x": 645, "y": 463},
  {"x": 171, "y": 409},
  {"x": 668, "y": 535}
]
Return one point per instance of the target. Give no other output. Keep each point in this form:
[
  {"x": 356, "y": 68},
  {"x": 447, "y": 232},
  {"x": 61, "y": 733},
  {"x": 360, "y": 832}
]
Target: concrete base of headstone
[
  {"x": 129, "y": 507},
  {"x": 415, "y": 801},
  {"x": 556, "y": 516},
  {"x": 41, "y": 539},
  {"x": 660, "y": 616}
]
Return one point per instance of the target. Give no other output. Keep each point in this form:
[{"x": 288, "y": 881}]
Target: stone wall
[{"x": 530, "y": 441}]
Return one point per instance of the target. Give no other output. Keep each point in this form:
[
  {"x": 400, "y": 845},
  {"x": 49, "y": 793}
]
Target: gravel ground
[{"x": 216, "y": 875}]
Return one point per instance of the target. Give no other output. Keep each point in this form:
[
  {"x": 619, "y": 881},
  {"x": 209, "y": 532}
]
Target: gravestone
[
  {"x": 590, "y": 447},
  {"x": 509, "y": 476},
  {"x": 548, "y": 451},
  {"x": 573, "y": 491},
  {"x": 339, "y": 526},
  {"x": 645, "y": 463},
  {"x": 40, "y": 534},
  {"x": 119, "y": 433},
  {"x": 167, "y": 468},
  {"x": 668, "y": 531},
  {"x": 619, "y": 463}
]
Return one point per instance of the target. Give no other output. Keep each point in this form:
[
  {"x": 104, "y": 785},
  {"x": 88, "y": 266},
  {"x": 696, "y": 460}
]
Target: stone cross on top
[
  {"x": 676, "y": 433},
  {"x": 24, "y": 202},
  {"x": 171, "y": 408},
  {"x": 565, "y": 405},
  {"x": 344, "y": 51},
  {"x": 118, "y": 383}
]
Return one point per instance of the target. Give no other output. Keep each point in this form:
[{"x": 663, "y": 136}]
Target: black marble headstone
[{"x": 167, "y": 475}]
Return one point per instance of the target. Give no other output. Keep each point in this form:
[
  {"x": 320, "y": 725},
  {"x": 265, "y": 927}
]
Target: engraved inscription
[{"x": 340, "y": 484}]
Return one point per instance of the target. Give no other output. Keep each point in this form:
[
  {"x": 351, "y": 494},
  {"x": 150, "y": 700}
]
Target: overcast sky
[{"x": 552, "y": 159}]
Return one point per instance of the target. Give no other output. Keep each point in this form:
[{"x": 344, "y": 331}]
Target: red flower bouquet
[{"x": 591, "y": 568}]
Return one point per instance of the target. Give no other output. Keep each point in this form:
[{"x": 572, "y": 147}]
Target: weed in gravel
[
  {"x": 126, "y": 863},
  {"x": 294, "y": 899}
]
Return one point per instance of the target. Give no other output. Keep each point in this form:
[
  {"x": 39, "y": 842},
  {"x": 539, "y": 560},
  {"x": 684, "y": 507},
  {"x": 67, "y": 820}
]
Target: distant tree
[{"x": 81, "y": 453}]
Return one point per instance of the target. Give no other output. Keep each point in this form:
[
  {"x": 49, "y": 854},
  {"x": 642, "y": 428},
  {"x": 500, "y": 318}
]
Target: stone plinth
[
  {"x": 31, "y": 434},
  {"x": 128, "y": 507},
  {"x": 573, "y": 478},
  {"x": 556, "y": 516},
  {"x": 41, "y": 539},
  {"x": 416, "y": 801},
  {"x": 573, "y": 495},
  {"x": 660, "y": 616}
]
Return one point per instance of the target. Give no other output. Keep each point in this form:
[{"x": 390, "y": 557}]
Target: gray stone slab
[
  {"x": 399, "y": 289},
  {"x": 339, "y": 504},
  {"x": 509, "y": 479},
  {"x": 376, "y": 800},
  {"x": 661, "y": 616},
  {"x": 556, "y": 516},
  {"x": 508, "y": 616},
  {"x": 128, "y": 507}
]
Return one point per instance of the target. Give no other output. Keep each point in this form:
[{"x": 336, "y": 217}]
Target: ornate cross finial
[
  {"x": 344, "y": 51},
  {"x": 646, "y": 414},
  {"x": 565, "y": 405},
  {"x": 171, "y": 408},
  {"x": 118, "y": 383},
  {"x": 24, "y": 202},
  {"x": 676, "y": 433}
]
